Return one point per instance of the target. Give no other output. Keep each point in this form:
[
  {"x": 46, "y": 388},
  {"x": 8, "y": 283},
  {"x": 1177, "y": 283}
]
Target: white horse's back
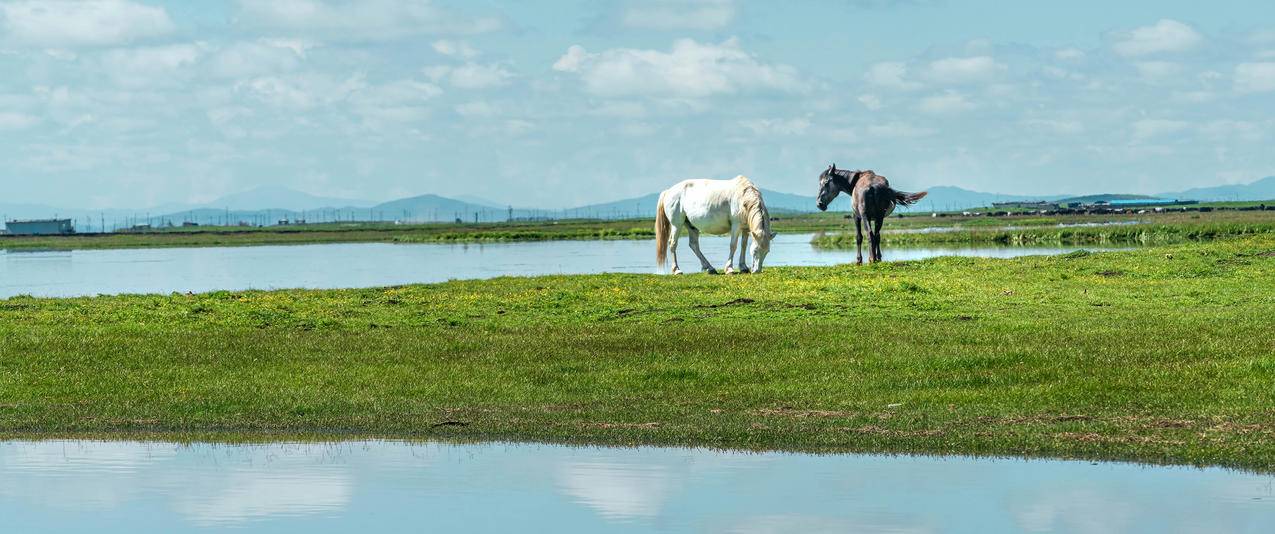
[{"x": 709, "y": 205}]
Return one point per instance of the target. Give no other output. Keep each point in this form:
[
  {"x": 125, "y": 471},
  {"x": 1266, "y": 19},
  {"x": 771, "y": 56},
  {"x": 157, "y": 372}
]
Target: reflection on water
[
  {"x": 167, "y": 270},
  {"x": 377, "y": 486}
]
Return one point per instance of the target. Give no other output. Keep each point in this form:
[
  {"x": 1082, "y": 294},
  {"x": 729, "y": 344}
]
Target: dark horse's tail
[{"x": 907, "y": 199}]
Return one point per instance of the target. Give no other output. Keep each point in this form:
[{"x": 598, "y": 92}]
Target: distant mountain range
[
  {"x": 283, "y": 198},
  {"x": 270, "y": 205},
  {"x": 1263, "y": 189}
]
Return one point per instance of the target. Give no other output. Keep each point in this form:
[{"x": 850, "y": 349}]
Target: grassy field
[{"x": 1163, "y": 354}]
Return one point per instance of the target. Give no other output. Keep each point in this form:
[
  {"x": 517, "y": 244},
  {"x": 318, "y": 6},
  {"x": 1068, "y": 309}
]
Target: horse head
[{"x": 828, "y": 187}]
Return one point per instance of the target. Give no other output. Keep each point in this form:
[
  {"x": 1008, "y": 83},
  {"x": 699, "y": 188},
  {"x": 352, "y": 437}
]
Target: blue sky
[{"x": 122, "y": 103}]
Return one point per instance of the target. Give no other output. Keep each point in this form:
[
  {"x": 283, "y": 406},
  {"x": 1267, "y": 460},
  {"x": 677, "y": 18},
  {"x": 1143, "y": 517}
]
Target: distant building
[{"x": 40, "y": 227}]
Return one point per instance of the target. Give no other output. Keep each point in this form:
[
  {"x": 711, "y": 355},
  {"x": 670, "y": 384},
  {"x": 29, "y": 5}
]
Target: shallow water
[
  {"x": 167, "y": 270},
  {"x": 379, "y": 486}
]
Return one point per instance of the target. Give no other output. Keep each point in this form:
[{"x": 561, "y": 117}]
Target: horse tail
[
  {"x": 907, "y": 199},
  {"x": 757, "y": 216},
  {"x": 661, "y": 232}
]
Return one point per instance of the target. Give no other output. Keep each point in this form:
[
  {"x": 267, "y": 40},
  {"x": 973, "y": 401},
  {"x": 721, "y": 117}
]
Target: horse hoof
[
  {"x": 730, "y": 270},
  {"x": 676, "y": 271},
  {"x": 710, "y": 270},
  {"x": 745, "y": 270}
]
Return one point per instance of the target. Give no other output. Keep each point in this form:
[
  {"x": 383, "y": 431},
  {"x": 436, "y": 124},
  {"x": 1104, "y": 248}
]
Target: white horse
[{"x": 716, "y": 207}]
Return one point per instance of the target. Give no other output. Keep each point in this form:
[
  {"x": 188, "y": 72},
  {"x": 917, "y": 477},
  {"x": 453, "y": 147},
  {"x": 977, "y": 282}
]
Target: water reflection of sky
[
  {"x": 110, "y": 487},
  {"x": 167, "y": 270}
]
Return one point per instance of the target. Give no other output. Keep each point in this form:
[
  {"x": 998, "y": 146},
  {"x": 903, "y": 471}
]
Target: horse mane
[
  {"x": 851, "y": 177},
  {"x": 754, "y": 208}
]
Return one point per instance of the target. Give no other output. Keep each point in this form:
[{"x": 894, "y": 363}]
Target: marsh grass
[
  {"x": 983, "y": 228},
  {"x": 1125, "y": 234},
  {"x": 1160, "y": 355}
]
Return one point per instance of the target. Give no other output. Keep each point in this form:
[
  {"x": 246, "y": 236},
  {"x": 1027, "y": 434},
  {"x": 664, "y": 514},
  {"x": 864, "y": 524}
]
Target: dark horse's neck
[{"x": 847, "y": 179}]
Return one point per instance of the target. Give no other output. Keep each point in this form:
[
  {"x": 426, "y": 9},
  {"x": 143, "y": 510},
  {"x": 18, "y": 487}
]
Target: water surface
[
  {"x": 167, "y": 270},
  {"x": 380, "y": 486}
]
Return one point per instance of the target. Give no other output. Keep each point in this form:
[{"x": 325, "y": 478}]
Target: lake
[
  {"x": 167, "y": 270},
  {"x": 391, "y": 486}
]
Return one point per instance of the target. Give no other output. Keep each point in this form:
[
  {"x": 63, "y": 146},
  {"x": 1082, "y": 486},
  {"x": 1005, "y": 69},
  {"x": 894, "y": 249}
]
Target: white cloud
[
  {"x": 898, "y": 130},
  {"x": 1228, "y": 130},
  {"x": 1059, "y": 73},
  {"x": 17, "y": 121},
  {"x": 1165, "y": 36},
  {"x": 1255, "y": 77},
  {"x": 777, "y": 126},
  {"x": 890, "y": 74},
  {"x": 257, "y": 58},
  {"x": 872, "y": 102},
  {"x": 149, "y": 65},
  {"x": 689, "y": 70},
  {"x": 679, "y": 14},
  {"x": 573, "y": 60},
  {"x": 477, "y": 108},
  {"x": 470, "y": 75},
  {"x": 399, "y": 101},
  {"x": 639, "y": 129},
  {"x": 298, "y": 46},
  {"x": 1151, "y": 128},
  {"x": 458, "y": 49},
  {"x": 949, "y": 102},
  {"x": 1061, "y": 127},
  {"x": 68, "y": 24},
  {"x": 964, "y": 69},
  {"x": 617, "y": 491},
  {"x": 519, "y": 126},
  {"x": 361, "y": 20},
  {"x": 245, "y": 495},
  {"x": 1158, "y": 69},
  {"x": 300, "y": 92},
  {"x": 228, "y": 120},
  {"x": 624, "y": 109},
  {"x": 1069, "y": 54}
]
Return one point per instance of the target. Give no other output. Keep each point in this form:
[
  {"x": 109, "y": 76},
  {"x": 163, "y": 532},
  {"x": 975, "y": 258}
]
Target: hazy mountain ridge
[
  {"x": 282, "y": 198},
  {"x": 1263, "y": 189}
]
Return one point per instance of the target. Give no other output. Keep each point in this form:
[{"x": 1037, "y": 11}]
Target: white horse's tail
[
  {"x": 755, "y": 213},
  {"x": 662, "y": 229}
]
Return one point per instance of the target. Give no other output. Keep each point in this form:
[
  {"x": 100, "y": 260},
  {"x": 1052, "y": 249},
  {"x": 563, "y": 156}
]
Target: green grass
[{"x": 1161, "y": 354}]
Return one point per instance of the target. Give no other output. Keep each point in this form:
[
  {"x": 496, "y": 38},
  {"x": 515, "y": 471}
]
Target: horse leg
[
  {"x": 876, "y": 238},
  {"x": 672, "y": 248},
  {"x": 734, "y": 241},
  {"x": 743, "y": 252},
  {"x": 858, "y": 239},
  {"x": 703, "y": 262}
]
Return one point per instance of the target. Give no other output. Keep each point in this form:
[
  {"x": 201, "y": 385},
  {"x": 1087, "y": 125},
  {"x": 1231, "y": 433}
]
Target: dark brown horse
[{"x": 872, "y": 199}]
